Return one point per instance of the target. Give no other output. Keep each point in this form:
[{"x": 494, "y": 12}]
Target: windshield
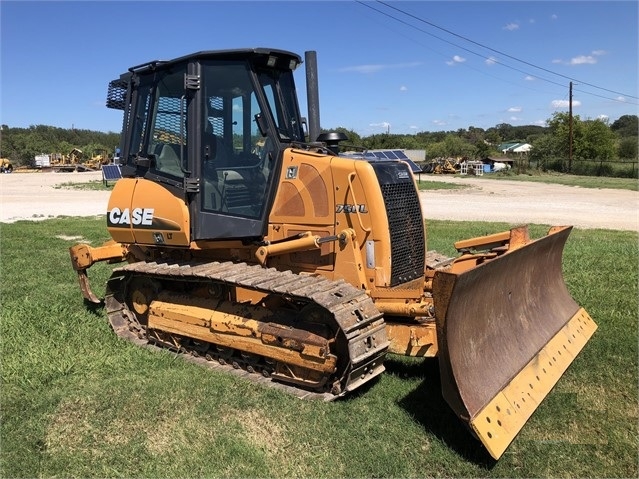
[{"x": 279, "y": 90}]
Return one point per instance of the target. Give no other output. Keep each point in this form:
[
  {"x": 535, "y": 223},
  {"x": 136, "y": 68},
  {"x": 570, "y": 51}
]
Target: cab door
[{"x": 236, "y": 161}]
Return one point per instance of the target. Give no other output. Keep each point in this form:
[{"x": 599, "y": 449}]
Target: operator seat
[{"x": 168, "y": 159}]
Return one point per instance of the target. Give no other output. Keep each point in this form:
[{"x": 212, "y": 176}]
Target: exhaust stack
[{"x": 312, "y": 95}]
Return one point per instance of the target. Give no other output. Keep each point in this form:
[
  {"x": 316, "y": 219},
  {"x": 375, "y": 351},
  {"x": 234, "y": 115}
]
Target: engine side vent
[{"x": 405, "y": 221}]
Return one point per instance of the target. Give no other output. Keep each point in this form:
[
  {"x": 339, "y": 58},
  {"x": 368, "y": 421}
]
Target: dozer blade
[{"x": 507, "y": 330}]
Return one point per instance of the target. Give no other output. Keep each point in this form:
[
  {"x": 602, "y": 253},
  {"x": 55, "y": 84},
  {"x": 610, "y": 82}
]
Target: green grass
[
  {"x": 427, "y": 185},
  {"x": 569, "y": 180},
  {"x": 87, "y": 185},
  {"x": 76, "y": 401}
]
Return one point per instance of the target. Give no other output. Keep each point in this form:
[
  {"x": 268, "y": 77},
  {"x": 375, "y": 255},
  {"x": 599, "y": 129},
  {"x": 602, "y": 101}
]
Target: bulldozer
[
  {"x": 249, "y": 242},
  {"x": 98, "y": 160},
  {"x": 5, "y": 165},
  {"x": 61, "y": 163}
]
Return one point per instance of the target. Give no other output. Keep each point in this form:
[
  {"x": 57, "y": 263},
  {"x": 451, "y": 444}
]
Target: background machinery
[
  {"x": 5, "y": 165},
  {"x": 249, "y": 245},
  {"x": 98, "y": 160}
]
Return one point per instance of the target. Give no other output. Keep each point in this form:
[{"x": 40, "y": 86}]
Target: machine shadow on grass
[
  {"x": 96, "y": 309},
  {"x": 429, "y": 409}
]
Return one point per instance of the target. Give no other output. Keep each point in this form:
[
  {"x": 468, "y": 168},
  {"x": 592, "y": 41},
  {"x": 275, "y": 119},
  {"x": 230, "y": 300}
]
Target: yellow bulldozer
[
  {"x": 98, "y": 160},
  {"x": 5, "y": 165},
  {"x": 251, "y": 244}
]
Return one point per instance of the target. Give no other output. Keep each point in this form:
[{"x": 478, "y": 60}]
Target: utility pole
[{"x": 570, "y": 130}]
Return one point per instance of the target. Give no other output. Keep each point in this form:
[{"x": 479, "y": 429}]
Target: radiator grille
[{"x": 405, "y": 223}]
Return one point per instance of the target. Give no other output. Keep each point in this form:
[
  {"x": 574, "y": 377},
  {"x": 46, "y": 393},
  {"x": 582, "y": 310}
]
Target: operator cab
[{"x": 211, "y": 128}]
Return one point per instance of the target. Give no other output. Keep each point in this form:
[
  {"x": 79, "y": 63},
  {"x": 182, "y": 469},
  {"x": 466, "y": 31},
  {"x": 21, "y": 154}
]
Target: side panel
[
  {"x": 144, "y": 212},
  {"x": 119, "y": 201},
  {"x": 376, "y": 205},
  {"x": 304, "y": 202},
  {"x": 305, "y": 187},
  {"x": 359, "y": 206}
]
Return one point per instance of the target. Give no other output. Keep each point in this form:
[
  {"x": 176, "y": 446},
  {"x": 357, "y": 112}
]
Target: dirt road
[
  {"x": 520, "y": 202},
  {"x": 38, "y": 196}
]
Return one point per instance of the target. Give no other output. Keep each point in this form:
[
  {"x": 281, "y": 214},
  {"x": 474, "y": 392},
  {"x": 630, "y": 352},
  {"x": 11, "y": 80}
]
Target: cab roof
[{"x": 234, "y": 54}]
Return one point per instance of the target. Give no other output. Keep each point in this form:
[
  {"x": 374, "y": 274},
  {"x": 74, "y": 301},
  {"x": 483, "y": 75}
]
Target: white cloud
[
  {"x": 385, "y": 125},
  {"x": 374, "y": 68},
  {"x": 514, "y": 118},
  {"x": 490, "y": 61},
  {"x": 621, "y": 98},
  {"x": 529, "y": 78},
  {"x": 456, "y": 59},
  {"x": 554, "y": 16},
  {"x": 403, "y": 88},
  {"x": 515, "y": 109},
  {"x": 603, "y": 117},
  {"x": 440, "y": 122},
  {"x": 540, "y": 122},
  {"x": 564, "y": 103},
  {"x": 363, "y": 68},
  {"x": 583, "y": 59},
  {"x": 512, "y": 26}
]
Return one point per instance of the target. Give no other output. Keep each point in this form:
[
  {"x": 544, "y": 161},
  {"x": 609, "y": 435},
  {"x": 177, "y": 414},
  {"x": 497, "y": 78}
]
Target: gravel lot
[
  {"x": 38, "y": 196},
  {"x": 521, "y": 202}
]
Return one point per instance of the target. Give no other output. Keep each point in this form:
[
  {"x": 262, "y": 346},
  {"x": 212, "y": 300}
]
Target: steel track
[{"x": 352, "y": 310}]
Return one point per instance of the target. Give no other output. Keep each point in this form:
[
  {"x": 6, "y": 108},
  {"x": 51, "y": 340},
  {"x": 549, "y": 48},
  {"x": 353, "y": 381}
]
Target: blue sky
[{"x": 402, "y": 67}]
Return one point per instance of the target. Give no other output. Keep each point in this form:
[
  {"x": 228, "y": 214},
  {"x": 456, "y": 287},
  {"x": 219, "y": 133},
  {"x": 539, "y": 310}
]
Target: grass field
[
  {"x": 428, "y": 185},
  {"x": 79, "y": 402},
  {"x": 569, "y": 180},
  {"x": 96, "y": 185}
]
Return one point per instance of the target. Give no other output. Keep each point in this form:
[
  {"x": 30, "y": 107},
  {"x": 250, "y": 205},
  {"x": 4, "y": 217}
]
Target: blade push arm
[{"x": 83, "y": 256}]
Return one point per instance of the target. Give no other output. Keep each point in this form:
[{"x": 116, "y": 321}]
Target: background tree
[
  {"x": 559, "y": 126},
  {"x": 493, "y": 137},
  {"x": 482, "y": 149},
  {"x": 505, "y": 131},
  {"x": 628, "y": 147},
  {"x": 21, "y": 145},
  {"x": 626, "y": 125},
  {"x": 546, "y": 152},
  {"x": 596, "y": 141}
]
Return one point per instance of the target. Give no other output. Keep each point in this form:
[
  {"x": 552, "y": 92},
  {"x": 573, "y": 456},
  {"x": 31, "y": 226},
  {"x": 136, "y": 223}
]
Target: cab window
[{"x": 235, "y": 163}]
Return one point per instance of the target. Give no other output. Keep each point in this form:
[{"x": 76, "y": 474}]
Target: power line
[
  {"x": 503, "y": 53},
  {"x": 465, "y": 65},
  {"x": 493, "y": 60},
  {"x": 490, "y": 49}
]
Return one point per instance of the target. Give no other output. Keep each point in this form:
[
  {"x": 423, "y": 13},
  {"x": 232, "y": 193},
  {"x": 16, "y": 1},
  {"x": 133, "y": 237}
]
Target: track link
[{"x": 360, "y": 324}]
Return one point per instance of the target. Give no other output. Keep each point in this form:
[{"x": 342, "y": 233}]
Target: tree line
[
  {"x": 595, "y": 144},
  {"x": 22, "y": 145},
  {"x": 593, "y": 141}
]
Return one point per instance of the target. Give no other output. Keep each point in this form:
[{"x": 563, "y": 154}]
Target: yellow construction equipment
[
  {"x": 246, "y": 243},
  {"x": 5, "y": 165},
  {"x": 60, "y": 162},
  {"x": 100, "y": 158}
]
